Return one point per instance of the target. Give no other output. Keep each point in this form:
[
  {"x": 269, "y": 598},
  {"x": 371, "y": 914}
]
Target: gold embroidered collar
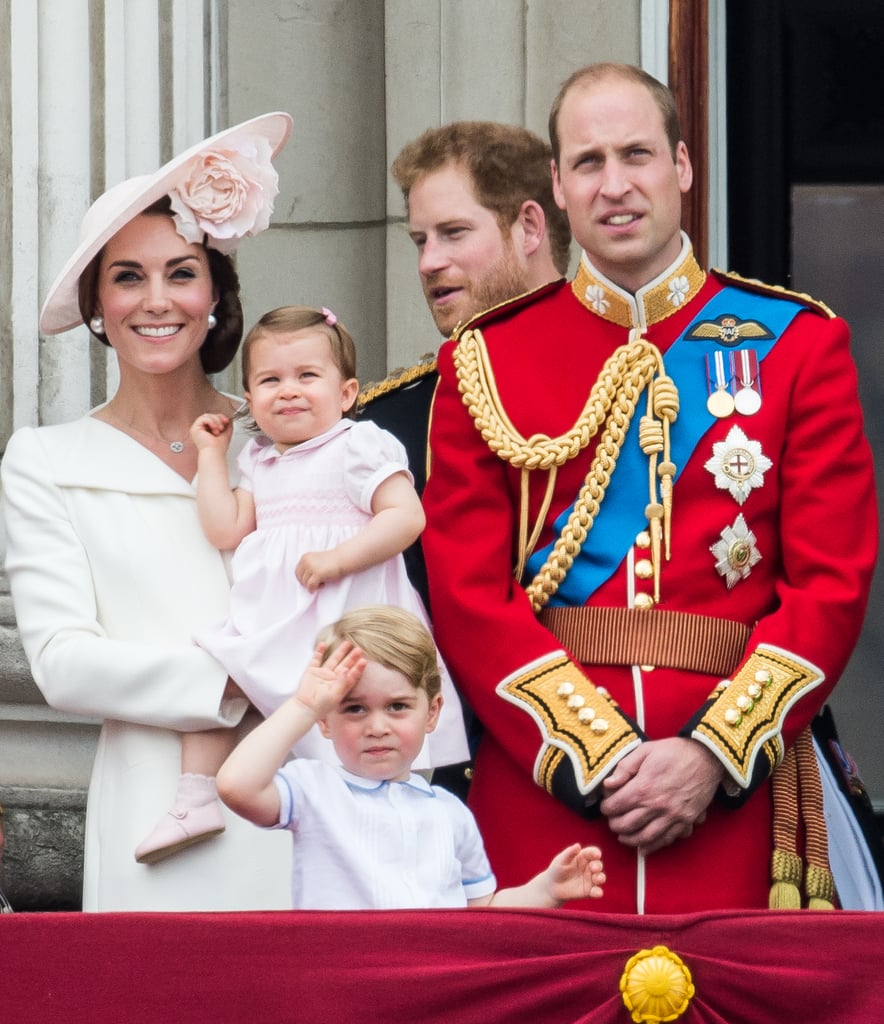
[{"x": 657, "y": 300}]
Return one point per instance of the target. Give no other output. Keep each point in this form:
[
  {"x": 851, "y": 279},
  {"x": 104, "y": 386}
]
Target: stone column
[{"x": 323, "y": 62}]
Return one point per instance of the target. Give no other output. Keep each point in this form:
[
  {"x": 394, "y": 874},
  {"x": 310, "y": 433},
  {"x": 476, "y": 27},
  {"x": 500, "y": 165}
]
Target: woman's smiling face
[{"x": 155, "y": 292}]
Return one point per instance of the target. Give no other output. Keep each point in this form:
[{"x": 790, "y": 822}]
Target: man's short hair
[
  {"x": 592, "y": 74},
  {"x": 507, "y": 165}
]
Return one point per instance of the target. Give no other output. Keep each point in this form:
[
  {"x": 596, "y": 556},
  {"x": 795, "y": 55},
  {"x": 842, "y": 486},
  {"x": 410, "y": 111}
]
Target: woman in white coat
[{"x": 109, "y": 569}]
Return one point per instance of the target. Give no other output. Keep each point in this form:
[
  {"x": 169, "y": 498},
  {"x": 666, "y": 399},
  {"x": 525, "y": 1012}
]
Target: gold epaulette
[
  {"x": 514, "y": 303},
  {"x": 775, "y": 290},
  {"x": 397, "y": 378}
]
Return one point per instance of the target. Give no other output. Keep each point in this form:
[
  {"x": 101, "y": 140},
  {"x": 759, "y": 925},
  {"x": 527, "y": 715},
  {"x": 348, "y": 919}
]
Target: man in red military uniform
[{"x": 638, "y": 567}]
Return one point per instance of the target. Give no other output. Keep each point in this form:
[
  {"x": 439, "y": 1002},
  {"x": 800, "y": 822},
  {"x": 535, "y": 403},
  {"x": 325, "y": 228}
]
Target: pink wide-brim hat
[{"x": 116, "y": 207}]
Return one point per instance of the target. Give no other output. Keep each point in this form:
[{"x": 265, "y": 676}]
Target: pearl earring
[
  {"x": 96, "y": 325},
  {"x": 213, "y": 321}
]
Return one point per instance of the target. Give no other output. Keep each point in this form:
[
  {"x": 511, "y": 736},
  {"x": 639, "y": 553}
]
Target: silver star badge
[
  {"x": 735, "y": 553},
  {"x": 738, "y": 464}
]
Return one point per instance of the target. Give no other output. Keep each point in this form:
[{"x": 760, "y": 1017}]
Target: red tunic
[{"x": 804, "y": 600}]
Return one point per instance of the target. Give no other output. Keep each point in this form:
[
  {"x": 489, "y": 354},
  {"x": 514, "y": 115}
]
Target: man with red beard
[
  {"x": 486, "y": 226},
  {"x": 638, "y": 568}
]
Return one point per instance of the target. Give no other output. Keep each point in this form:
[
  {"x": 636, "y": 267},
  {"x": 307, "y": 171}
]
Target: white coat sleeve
[{"x": 77, "y": 666}]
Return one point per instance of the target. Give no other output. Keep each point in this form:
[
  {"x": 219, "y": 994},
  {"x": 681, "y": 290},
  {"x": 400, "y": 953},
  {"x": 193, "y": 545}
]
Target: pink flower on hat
[{"x": 227, "y": 194}]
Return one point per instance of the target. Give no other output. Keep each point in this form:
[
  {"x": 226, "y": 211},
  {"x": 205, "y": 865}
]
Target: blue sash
[{"x": 621, "y": 514}]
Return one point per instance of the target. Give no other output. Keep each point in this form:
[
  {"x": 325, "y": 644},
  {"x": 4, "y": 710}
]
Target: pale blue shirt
[{"x": 361, "y": 844}]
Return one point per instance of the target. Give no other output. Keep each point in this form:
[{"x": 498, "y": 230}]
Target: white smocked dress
[{"x": 312, "y": 497}]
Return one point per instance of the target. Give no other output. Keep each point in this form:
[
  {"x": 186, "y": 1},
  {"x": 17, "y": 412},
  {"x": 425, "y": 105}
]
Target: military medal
[
  {"x": 747, "y": 400},
  {"x": 720, "y": 402},
  {"x": 736, "y": 552},
  {"x": 738, "y": 465}
]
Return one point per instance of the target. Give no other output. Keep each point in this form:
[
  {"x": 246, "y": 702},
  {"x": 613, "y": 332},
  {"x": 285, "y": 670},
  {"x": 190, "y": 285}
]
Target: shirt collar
[
  {"x": 414, "y": 781},
  {"x": 653, "y": 302}
]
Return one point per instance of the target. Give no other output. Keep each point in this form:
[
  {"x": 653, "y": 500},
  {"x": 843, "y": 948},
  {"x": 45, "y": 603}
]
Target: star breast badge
[
  {"x": 735, "y": 553},
  {"x": 738, "y": 465}
]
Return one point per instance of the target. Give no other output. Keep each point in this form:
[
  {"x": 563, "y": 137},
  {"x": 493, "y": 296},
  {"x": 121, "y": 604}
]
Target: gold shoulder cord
[{"x": 612, "y": 403}]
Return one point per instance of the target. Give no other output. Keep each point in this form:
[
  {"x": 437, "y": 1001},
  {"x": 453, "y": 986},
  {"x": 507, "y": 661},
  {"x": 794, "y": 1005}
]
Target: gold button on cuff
[
  {"x": 565, "y": 733},
  {"x": 743, "y": 728},
  {"x": 643, "y": 601}
]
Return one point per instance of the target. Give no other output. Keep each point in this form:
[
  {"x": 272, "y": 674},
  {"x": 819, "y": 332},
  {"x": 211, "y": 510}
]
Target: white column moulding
[
  {"x": 655, "y": 39},
  {"x": 25, "y": 269},
  {"x": 189, "y": 100},
  {"x": 63, "y": 62},
  {"x": 140, "y": 56}
]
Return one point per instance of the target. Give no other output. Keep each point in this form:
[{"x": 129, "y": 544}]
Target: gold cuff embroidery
[
  {"x": 573, "y": 716},
  {"x": 746, "y": 716}
]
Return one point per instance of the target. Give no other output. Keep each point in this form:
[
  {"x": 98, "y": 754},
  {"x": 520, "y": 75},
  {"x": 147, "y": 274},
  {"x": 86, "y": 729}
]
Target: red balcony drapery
[{"x": 460, "y": 967}]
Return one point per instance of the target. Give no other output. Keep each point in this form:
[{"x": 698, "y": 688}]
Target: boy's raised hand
[
  {"x": 324, "y": 686},
  {"x": 577, "y": 873}
]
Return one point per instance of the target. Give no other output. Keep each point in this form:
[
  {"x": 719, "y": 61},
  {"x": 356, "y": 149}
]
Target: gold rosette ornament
[{"x": 656, "y": 986}]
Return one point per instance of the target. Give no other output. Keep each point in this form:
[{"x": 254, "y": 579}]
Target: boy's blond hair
[{"x": 392, "y": 637}]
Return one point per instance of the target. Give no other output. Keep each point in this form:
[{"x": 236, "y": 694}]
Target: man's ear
[
  {"x": 683, "y": 169},
  {"x": 532, "y": 221},
  {"x": 558, "y": 194}
]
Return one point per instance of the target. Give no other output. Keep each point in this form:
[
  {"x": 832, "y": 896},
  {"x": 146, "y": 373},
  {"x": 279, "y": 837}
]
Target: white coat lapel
[{"x": 93, "y": 454}]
